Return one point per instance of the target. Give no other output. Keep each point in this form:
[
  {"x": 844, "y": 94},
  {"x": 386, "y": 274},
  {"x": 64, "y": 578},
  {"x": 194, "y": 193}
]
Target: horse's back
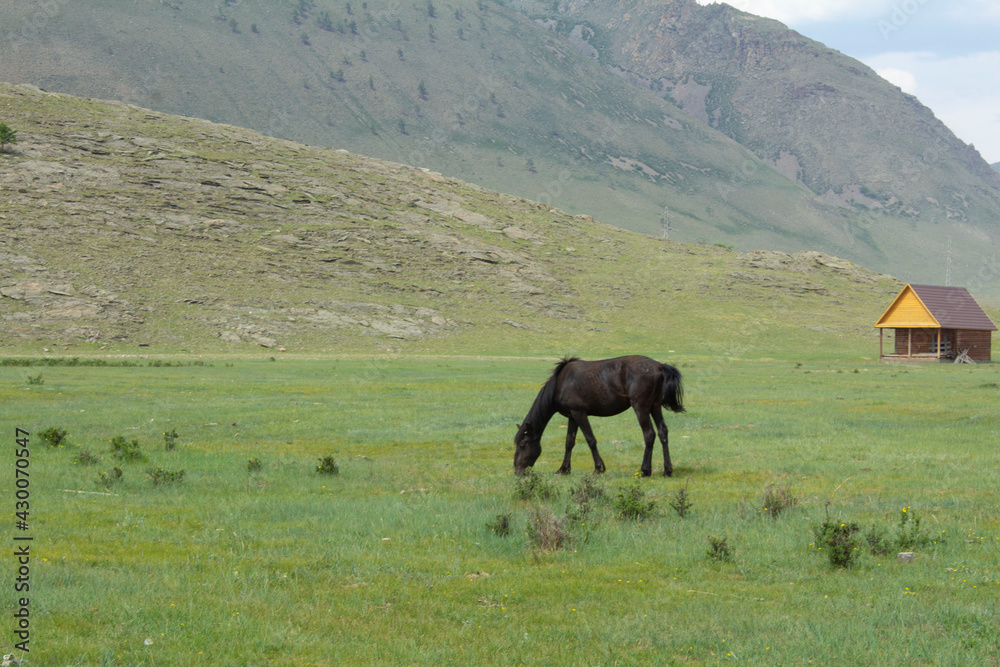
[{"x": 608, "y": 387}]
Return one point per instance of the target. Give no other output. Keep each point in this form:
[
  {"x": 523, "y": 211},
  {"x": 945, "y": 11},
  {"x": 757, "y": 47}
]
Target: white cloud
[
  {"x": 963, "y": 91},
  {"x": 975, "y": 10},
  {"x": 900, "y": 77}
]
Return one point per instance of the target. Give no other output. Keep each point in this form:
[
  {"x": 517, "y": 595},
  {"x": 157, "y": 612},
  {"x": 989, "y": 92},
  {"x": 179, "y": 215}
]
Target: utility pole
[
  {"x": 665, "y": 222},
  {"x": 947, "y": 273}
]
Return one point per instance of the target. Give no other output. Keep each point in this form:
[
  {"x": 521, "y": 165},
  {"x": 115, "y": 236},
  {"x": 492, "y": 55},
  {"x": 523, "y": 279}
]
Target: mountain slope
[
  {"x": 474, "y": 91},
  {"x": 126, "y": 228},
  {"x": 821, "y": 118},
  {"x": 478, "y": 91}
]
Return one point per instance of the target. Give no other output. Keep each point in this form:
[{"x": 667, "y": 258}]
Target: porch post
[
  {"x": 880, "y": 343},
  {"x": 939, "y": 344},
  {"x": 909, "y": 343}
]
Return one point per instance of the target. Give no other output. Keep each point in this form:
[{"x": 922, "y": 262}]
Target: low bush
[
  {"x": 775, "y": 499},
  {"x": 839, "y": 540},
  {"x": 108, "y": 479},
  {"x": 909, "y": 533},
  {"x": 501, "y": 524},
  {"x": 170, "y": 439},
  {"x": 681, "y": 503},
  {"x": 546, "y": 531},
  {"x": 127, "y": 452},
  {"x": 161, "y": 476},
  {"x": 54, "y": 437},
  {"x": 85, "y": 458},
  {"x": 584, "y": 498},
  {"x": 719, "y": 549},
  {"x": 531, "y": 486},
  {"x": 631, "y": 503},
  {"x": 328, "y": 466}
]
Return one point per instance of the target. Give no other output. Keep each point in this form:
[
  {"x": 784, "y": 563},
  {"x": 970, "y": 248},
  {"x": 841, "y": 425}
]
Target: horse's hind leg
[
  {"x": 564, "y": 469},
  {"x": 661, "y": 427},
  {"x": 649, "y": 437},
  {"x": 588, "y": 433}
]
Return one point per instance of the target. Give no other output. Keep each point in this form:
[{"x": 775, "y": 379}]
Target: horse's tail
[
  {"x": 542, "y": 409},
  {"x": 673, "y": 390}
]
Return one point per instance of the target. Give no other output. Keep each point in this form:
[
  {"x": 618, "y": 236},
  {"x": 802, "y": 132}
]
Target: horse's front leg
[
  {"x": 588, "y": 433},
  {"x": 649, "y": 437},
  {"x": 661, "y": 428},
  {"x": 564, "y": 469}
]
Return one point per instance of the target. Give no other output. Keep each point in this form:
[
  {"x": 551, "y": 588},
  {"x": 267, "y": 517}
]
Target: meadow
[{"x": 253, "y": 557}]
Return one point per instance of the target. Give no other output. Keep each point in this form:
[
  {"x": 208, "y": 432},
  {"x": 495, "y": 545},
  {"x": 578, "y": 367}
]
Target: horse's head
[{"x": 527, "y": 448}]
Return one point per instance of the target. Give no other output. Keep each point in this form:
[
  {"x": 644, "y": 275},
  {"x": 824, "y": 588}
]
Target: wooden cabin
[{"x": 933, "y": 323}]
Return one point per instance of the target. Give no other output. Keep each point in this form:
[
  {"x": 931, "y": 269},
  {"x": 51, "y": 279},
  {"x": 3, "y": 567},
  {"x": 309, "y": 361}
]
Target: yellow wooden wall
[{"x": 907, "y": 311}]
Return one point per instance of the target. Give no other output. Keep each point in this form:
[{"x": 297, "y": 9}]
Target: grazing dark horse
[{"x": 578, "y": 389}]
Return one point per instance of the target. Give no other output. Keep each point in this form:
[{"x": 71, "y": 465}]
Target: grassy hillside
[
  {"x": 131, "y": 230},
  {"x": 476, "y": 91}
]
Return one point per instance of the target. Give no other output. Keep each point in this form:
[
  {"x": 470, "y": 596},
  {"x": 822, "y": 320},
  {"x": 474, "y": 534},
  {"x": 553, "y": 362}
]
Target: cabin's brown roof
[{"x": 954, "y": 307}]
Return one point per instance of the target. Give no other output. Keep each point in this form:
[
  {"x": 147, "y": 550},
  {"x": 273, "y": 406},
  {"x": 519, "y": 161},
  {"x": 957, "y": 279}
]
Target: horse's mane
[{"x": 542, "y": 409}]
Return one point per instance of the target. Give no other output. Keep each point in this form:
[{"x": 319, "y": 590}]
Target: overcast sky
[{"x": 945, "y": 52}]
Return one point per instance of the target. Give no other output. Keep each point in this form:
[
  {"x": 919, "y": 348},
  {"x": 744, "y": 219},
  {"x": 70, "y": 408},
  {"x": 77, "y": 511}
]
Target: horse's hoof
[
  {"x": 668, "y": 473},
  {"x": 562, "y": 471},
  {"x": 647, "y": 473}
]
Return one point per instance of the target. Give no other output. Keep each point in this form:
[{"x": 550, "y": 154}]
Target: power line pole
[
  {"x": 665, "y": 222},
  {"x": 947, "y": 273}
]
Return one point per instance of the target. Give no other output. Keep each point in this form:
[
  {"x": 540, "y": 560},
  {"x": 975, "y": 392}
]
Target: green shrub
[
  {"x": 127, "y": 452},
  {"x": 501, "y": 524},
  {"x": 840, "y": 541},
  {"x": 584, "y": 497},
  {"x": 108, "y": 479},
  {"x": 909, "y": 533},
  {"x": 878, "y": 542},
  {"x": 589, "y": 490},
  {"x": 631, "y": 503},
  {"x": 531, "y": 486},
  {"x": 53, "y": 437},
  {"x": 170, "y": 439},
  {"x": 7, "y": 136},
  {"x": 719, "y": 550},
  {"x": 681, "y": 503},
  {"x": 161, "y": 476},
  {"x": 85, "y": 458},
  {"x": 328, "y": 466},
  {"x": 776, "y": 499}
]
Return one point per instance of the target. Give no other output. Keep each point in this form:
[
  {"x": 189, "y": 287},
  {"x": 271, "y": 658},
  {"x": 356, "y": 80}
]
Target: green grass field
[{"x": 391, "y": 562}]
